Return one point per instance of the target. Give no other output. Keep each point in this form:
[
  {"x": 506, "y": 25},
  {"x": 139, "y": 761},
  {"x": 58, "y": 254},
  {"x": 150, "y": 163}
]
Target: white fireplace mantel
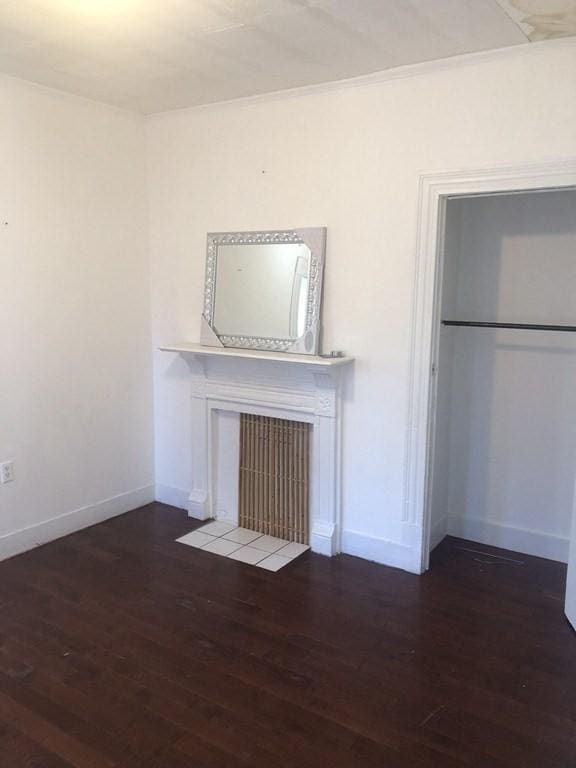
[{"x": 226, "y": 382}]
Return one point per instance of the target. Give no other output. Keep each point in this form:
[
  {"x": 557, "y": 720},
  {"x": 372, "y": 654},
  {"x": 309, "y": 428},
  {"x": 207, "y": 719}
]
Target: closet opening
[{"x": 502, "y": 453}]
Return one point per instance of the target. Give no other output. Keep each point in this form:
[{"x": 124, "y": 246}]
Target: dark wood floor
[{"x": 119, "y": 647}]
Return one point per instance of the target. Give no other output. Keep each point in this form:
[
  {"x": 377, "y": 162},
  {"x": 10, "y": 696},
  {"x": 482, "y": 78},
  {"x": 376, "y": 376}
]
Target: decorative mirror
[{"x": 263, "y": 290}]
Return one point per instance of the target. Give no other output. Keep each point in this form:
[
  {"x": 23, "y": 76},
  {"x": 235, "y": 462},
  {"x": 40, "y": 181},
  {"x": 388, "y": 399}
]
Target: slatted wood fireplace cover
[{"x": 274, "y": 477}]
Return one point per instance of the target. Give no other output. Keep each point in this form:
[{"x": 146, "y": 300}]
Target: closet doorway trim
[{"x": 434, "y": 190}]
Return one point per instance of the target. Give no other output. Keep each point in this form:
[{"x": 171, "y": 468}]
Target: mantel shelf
[{"x": 254, "y": 354}]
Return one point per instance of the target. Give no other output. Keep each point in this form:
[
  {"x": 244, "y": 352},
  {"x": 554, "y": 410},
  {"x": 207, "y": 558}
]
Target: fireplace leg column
[
  {"x": 199, "y": 501},
  {"x": 324, "y": 498}
]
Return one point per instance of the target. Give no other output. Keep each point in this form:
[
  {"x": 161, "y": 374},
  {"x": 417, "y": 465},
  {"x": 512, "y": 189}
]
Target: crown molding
[
  {"x": 71, "y": 95},
  {"x": 383, "y": 76}
]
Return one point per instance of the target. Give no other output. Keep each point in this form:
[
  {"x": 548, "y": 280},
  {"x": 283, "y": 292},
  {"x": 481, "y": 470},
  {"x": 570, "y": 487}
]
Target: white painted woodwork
[
  {"x": 154, "y": 55},
  {"x": 225, "y": 450},
  {"x": 315, "y": 361},
  {"x": 570, "y": 601},
  {"x": 293, "y": 387}
]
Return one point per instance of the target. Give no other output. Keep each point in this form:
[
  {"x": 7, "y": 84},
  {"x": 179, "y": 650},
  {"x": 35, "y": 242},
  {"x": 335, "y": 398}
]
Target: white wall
[
  {"x": 348, "y": 158},
  {"x": 75, "y": 383},
  {"x": 512, "y": 456}
]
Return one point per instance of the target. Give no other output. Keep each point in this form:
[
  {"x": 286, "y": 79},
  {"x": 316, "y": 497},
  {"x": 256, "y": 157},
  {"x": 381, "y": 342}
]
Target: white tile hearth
[
  {"x": 222, "y": 547},
  {"x": 248, "y": 555},
  {"x": 196, "y": 539},
  {"x": 244, "y": 545},
  {"x": 217, "y": 529},
  {"x": 269, "y": 543},
  {"x": 242, "y": 535},
  {"x": 292, "y": 550},
  {"x": 274, "y": 562}
]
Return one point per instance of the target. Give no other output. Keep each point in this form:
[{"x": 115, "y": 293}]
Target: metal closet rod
[{"x": 516, "y": 326}]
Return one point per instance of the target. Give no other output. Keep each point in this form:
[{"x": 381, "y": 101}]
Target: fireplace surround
[{"x": 227, "y": 382}]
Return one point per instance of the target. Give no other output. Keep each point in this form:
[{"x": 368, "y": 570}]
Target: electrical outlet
[{"x": 6, "y": 472}]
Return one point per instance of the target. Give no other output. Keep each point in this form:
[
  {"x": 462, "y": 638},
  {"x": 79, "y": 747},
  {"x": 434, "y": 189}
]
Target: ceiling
[{"x": 156, "y": 55}]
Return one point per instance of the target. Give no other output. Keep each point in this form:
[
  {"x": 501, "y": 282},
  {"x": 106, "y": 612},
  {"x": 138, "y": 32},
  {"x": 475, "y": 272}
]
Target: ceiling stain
[{"x": 543, "y": 19}]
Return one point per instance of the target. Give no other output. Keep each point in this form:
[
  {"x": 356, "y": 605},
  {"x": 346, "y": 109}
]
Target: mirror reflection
[{"x": 261, "y": 290}]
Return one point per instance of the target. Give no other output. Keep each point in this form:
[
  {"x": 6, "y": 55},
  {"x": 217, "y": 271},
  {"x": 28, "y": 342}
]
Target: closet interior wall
[{"x": 504, "y": 459}]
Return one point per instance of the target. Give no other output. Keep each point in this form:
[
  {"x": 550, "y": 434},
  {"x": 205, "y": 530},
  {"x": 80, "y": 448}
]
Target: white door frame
[{"x": 434, "y": 190}]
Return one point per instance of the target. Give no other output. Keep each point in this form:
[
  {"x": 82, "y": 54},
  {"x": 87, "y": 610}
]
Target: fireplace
[{"x": 238, "y": 477}]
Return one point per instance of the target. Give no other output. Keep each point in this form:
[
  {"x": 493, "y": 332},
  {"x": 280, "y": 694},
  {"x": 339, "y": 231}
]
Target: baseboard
[
  {"x": 41, "y": 533},
  {"x": 175, "y": 497},
  {"x": 508, "y": 537},
  {"x": 380, "y": 551},
  {"x": 324, "y": 539}
]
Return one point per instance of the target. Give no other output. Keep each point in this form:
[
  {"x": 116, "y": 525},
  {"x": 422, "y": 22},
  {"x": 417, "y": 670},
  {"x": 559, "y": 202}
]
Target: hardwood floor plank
[
  {"x": 30, "y": 722},
  {"x": 18, "y": 751}
]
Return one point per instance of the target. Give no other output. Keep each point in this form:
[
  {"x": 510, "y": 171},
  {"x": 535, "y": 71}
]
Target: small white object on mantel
[{"x": 226, "y": 382}]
